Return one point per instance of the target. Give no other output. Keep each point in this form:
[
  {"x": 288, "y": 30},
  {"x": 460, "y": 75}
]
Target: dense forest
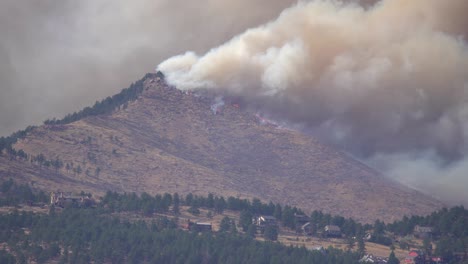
[
  {"x": 450, "y": 226},
  {"x": 13, "y": 194},
  {"x": 88, "y": 235},
  {"x": 79, "y": 235},
  {"x": 450, "y": 231}
]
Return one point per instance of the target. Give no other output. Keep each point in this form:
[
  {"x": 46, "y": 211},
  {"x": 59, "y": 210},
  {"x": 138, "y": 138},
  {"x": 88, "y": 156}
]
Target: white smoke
[
  {"x": 218, "y": 104},
  {"x": 386, "y": 81}
]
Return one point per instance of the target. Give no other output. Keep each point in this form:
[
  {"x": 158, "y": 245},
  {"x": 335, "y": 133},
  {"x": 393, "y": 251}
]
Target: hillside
[{"x": 172, "y": 141}]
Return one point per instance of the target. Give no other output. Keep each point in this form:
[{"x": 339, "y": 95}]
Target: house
[
  {"x": 199, "y": 226},
  {"x": 62, "y": 199},
  {"x": 332, "y": 231},
  {"x": 301, "y": 219},
  {"x": 423, "y": 231},
  {"x": 265, "y": 220},
  {"x": 415, "y": 257},
  {"x": 369, "y": 258},
  {"x": 203, "y": 227},
  {"x": 262, "y": 221},
  {"x": 307, "y": 229},
  {"x": 367, "y": 236}
]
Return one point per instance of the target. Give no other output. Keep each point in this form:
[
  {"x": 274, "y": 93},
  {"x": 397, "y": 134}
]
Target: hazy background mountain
[{"x": 59, "y": 57}]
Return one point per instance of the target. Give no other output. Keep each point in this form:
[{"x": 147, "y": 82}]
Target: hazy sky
[
  {"x": 388, "y": 83},
  {"x": 57, "y": 57}
]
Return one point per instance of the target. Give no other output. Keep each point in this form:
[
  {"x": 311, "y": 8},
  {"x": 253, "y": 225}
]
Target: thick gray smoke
[
  {"x": 57, "y": 57},
  {"x": 389, "y": 83}
]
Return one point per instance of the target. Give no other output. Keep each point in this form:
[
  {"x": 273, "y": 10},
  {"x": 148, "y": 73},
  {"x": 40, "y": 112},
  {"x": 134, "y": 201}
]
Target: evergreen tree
[
  {"x": 271, "y": 233},
  {"x": 245, "y": 220},
  {"x": 210, "y": 201},
  {"x": 361, "y": 245},
  {"x": 6, "y": 257},
  {"x": 189, "y": 199},
  {"x": 392, "y": 259},
  {"x": 251, "y": 230},
  {"x": 233, "y": 228},
  {"x": 427, "y": 246},
  {"x": 379, "y": 228},
  {"x": 350, "y": 241},
  {"x": 176, "y": 204},
  {"x": 288, "y": 217},
  {"x": 225, "y": 224},
  {"x": 278, "y": 212},
  {"x": 256, "y": 206},
  {"x": 219, "y": 204},
  {"x": 444, "y": 249}
]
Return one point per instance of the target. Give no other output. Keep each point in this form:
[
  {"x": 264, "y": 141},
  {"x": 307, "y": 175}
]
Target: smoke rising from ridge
[{"x": 389, "y": 83}]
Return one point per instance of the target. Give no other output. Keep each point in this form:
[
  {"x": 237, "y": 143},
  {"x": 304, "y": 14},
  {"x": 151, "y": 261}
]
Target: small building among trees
[
  {"x": 369, "y": 258},
  {"x": 307, "y": 229},
  {"x": 423, "y": 231},
  {"x": 301, "y": 219},
  {"x": 199, "y": 226},
  {"x": 332, "y": 231},
  {"x": 62, "y": 199},
  {"x": 265, "y": 220}
]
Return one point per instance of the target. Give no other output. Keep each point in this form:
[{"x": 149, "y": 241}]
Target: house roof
[
  {"x": 332, "y": 228},
  {"x": 268, "y": 217},
  {"x": 201, "y": 223},
  {"x": 300, "y": 215},
  {"x": 423, "y": 229},
  {"x": 414, "y": 253}
]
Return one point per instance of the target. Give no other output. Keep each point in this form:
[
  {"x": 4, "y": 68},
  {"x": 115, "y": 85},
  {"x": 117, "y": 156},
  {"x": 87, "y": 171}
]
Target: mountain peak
[{"x": 167, "y": 140}]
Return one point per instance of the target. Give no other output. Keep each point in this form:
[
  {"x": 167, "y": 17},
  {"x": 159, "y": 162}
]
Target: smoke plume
[{"x": 387, "y": 82}]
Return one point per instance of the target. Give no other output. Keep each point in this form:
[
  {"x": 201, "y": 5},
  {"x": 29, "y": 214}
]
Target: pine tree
[
  {"x": 392, "y": 259},
  {"x": 278, "y": 212},
  {"x": 361, "y": 245},
  {"x": 210, "y": 200},
  {"x": 271, "y": 233},
  {"x": 288, "y": 217},
  {"x": 245, "y": 220},
  {"x": 251, "y": 230},
  {"x": 176, "y": 204},
  {"x": 350, "y": 241},
  {"x": 427, "y": 246},
  {"x": 225, "y": 224},
  {"x": 219, "y": 205}
]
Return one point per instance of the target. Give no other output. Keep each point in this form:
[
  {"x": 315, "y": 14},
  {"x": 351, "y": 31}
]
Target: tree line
[
  {"x": 88, "y": 235},
  {"x": 104, "y": 106},
  {"x": 450, "y": 226},
  {"x": 13, "y": 194},
  {"x": 6, "y": 143},
  {"x": 449, "y": 231}
]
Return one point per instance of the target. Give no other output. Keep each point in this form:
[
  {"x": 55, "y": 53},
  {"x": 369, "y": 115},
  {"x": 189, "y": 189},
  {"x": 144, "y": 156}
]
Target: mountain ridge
[{"x": 167, "y": 140}]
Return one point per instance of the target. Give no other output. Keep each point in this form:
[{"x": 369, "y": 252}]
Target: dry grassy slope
[{"x": 170, "y": 141}]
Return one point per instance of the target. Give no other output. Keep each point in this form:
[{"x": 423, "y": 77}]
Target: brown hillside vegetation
[{"x": 172, "y": 141}]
